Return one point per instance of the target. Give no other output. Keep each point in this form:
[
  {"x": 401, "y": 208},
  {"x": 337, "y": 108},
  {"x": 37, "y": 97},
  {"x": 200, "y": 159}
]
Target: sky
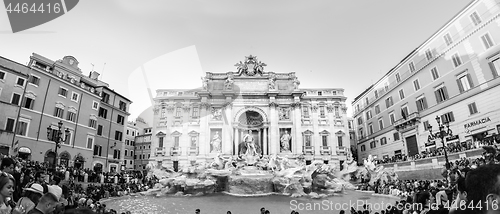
[{"x": 347, "y": 44}]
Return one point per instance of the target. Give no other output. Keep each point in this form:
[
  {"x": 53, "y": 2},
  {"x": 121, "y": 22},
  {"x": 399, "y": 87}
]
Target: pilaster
[
  {"x": 316, "y": 138},
  {"x": 204, "y": 145},
  {"x": 297, "y": 140},
  {"x": 227, "y": 146},
  {"x": 273, "y": 117}
]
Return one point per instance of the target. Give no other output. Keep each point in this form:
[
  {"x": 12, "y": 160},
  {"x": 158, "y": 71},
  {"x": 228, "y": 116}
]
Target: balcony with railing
[
  {"x": 308, "y": 150},
  {"x": 175, "y": 151},
  {"x": 408, "y": 123},
  {"x": 160, "y": 151},
  {"x": 193, "y": 151},
  {"x": 341, "y": 150},
  {"x": 325, "y": 150}
]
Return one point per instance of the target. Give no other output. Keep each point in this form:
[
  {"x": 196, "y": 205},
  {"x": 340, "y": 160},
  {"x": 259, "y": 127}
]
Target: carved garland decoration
[
  {"x": 273, "y": 104},
  {"x": 315, "y": 108},
  {"x": 170, "y": 108},
  {"x": 227, "y": 105},
  {"x": 156, "y": 109},
  {"x": 329, "y": 108},
  {"x": 205, "y": 105},
  {"x": 186, "y": 108},
  {"x": 296, "y": 105},
  {"x": 344, "y": 109}
]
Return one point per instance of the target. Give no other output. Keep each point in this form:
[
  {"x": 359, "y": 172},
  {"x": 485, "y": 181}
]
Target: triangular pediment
[
  {"x": 160, "y": 134},
  {"x": 193, "y": 133},
  {"x": 176, "y": 133},
  {"x": 307, "y": 132}
]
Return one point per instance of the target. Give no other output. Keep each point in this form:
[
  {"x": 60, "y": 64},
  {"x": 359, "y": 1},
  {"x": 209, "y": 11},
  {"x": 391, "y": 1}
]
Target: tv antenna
[{"x": 92, "y": 66}]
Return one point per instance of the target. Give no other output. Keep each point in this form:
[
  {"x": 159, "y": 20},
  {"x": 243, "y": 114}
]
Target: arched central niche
[{"x": 251, "y": 119}]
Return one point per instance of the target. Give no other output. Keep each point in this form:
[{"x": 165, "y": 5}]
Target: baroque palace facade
[
  {"x": 196, "y": 125},
  {"x": 452, "y": 76}
]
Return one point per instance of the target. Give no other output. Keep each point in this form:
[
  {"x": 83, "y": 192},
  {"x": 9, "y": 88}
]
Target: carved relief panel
[{"x": 284, "y": 113}]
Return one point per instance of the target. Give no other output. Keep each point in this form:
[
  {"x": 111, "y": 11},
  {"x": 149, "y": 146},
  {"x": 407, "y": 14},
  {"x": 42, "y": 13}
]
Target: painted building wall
[{"x": 463, "y": 52}]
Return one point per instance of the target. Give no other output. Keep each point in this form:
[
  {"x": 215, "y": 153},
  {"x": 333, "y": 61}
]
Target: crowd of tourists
[
  {"x": 464, "y": 189},
  {"x": 450, "y": 149},
  {"x": 33, "y": 187}
]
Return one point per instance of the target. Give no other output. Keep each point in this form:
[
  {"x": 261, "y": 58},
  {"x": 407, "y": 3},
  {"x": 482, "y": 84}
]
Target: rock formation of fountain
[
  {"x": 252, "y": 175},
  {"x": 376, "y": 173}
]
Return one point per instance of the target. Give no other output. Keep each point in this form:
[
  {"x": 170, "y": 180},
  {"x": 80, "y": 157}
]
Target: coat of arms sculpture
[{"x": 251, "y": 66}]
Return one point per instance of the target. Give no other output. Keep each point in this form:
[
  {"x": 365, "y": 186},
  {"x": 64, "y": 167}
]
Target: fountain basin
[{"x": 250, "y": 184}]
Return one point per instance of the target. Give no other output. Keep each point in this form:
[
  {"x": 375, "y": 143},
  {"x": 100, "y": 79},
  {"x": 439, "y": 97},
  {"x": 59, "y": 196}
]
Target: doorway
[
  {"x": 411, "y": 145},
  {"x": 176, "y": 166}
]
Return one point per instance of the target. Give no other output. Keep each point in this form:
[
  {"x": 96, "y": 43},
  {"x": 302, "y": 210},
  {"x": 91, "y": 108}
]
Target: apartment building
[
  {"x": 128, "y": 155},
  {"x": 142, "y": 146},
  {"x": 110, "y": 141},
  {"x": 48, "y": 101},
  {"x": 453, "y": 76},
  {"x": 13, "y": 81}
]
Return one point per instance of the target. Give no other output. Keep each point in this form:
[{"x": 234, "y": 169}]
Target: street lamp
[
  {"x": 57, "y": 138},
  {"x": 441, "y": 135}
]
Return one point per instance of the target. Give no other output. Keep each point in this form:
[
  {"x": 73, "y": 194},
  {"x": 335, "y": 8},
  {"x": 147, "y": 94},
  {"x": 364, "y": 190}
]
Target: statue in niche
[
  {"x": 272, "y": 82},
  {"x": 204, "y": 81},
  {"x": 285, "y": 142},
  {"x": 248, "y": 147},
  {"x": 296, "y": 83},
  {"x": 216, "y": 142},
  {"x": 228, "y": 85},
  {"x": 216, "y": 114},
  {"x": 193, "y": 142},
  {"x": 284, "y": 114}
]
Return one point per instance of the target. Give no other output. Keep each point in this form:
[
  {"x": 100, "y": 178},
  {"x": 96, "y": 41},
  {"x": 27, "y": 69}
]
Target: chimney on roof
[{"x": 94, "y": 75}]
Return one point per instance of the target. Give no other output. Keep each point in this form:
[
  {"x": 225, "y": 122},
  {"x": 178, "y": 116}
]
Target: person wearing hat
[
  {"x": 31, "y": 197},
  {"x": 49, "y": 201}
]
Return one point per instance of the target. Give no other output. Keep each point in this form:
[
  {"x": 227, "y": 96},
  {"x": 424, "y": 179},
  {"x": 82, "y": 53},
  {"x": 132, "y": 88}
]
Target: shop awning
[
  {"x": 452, "y": 139},
  {"x": 430, "y": 144},
  {"x": 479, "y": 132},
  {"x": 24, "y": 149}
]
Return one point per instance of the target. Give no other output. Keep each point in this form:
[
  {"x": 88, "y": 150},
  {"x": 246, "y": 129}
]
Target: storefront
[
  {"x": 4, "y": 150},
  {"x": 24, "y": 153},
  {"x": 79, "y": 161},
  {"x": 430, "y": 145},
  {"x": 481, "y": 130},
  {"x": 64, "y": 159}
]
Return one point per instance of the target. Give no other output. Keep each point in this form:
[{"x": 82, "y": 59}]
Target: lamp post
[
  {"x": 441, "y": 135},
  {"x": 57, "y": 138}
]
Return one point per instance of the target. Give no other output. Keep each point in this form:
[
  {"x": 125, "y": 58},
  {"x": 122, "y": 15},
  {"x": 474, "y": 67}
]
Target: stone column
[
  {"x": 315, "y": 138},
  {"x": 235, "y": 141},
  {"x": 264, "y": 150},
  {"x": 273, "y": 117},
  {"x": 297, "y": 141},
  {"x": 185, "y": 143},
  {"x": 203, "y": 144},
  {"x": 227, "y": 131},
  {"x": 260, "y": 139},
  {"x": 331, "y": 122}
]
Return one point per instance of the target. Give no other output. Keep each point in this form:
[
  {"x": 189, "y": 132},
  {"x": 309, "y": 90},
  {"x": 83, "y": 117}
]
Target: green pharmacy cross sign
[{"x": 25, "y": 14}]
